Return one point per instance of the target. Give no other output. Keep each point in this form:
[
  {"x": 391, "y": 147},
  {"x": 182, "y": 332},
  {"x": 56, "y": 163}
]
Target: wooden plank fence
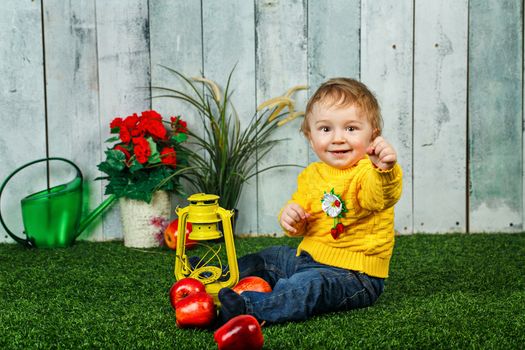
[{"x": 448, "y": 75}]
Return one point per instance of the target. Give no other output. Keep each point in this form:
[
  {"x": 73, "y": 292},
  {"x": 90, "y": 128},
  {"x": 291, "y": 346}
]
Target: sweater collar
[{"x": 331, "y": 171}]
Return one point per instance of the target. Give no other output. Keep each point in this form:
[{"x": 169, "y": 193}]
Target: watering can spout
[{"x": 95, "y": 213}]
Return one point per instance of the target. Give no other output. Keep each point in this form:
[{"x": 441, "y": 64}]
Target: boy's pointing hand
[{"x": 382, "y": 154}]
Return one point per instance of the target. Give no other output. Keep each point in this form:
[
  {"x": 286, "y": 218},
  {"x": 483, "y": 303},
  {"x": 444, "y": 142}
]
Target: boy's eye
[
  {"x": 350, "y": 128},
  {"x": 324, "y": 128}
]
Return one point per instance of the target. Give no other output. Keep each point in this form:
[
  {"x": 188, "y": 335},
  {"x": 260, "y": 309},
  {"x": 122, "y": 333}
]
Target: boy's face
[{"x": 339, "y": 135}]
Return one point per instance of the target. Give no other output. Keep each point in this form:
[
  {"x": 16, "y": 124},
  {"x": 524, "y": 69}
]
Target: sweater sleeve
[
  {"x": 299, "y": 196},
  {"x": 378, "y": 190}
]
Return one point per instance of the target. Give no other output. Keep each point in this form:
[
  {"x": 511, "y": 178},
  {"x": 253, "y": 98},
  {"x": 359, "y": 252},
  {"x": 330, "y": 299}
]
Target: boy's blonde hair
[{"x": 345, "y": 92}]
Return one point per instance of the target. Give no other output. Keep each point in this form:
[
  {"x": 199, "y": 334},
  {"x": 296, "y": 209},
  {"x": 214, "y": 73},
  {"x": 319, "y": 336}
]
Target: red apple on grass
[
  {"x": 252, "y": 283},
  {"x": 171, "y": 233},
  {"x": 196, "y": 310},
  {"x": 241, "y": 332},
  {"x": 183, "y": 288}
]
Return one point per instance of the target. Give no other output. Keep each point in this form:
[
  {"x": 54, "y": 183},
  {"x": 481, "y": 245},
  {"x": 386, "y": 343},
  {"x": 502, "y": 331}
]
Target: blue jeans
[{"x": 303, "y": 287}]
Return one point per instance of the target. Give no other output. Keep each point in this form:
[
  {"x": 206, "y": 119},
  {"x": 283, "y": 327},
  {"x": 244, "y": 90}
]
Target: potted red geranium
[
  {"x": 145, "y": 161},
  {"x": 146, "y": 157}
]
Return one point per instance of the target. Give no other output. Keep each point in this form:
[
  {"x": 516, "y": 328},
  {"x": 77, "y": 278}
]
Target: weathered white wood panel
[
  {"x": 22, "y": 105},
  {"x": 333, "y": 43},
  {"x": 124, "y": 72},
  {"x": 281, "y": 62},
  {"x": 495, "y": 115},
  {"x": 72, "y": 96},
  {"x": 229, "y": 41},
  {"x": 175, "y": 42},
  {"x": 440, "y": 116},
  {"x": 386, "y": 67}
]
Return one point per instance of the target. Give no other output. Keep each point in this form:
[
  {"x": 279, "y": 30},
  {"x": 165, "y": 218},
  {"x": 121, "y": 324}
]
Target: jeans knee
[
  {"x": 374, "y": 287},
  {"x": 360, "y": 299},
  {"x": 276, "y": 253},
  {"x": 361, "y": 290}
]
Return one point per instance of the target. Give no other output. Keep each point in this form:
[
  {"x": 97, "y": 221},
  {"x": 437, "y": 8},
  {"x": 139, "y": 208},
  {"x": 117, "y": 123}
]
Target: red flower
[
  {"x": 136, "y": 132},
  {"x": 151, "y": 122},
  {"x": 169, "y": 156},
  {"x": 131, "y": 121},
  {"x": 127, "y": 127},
  {"x": 125, "y": 136},
  {"x": 116, "y": 123},
  {"x": 151, "y": 115},
  {"x": 179, "y": 125},
  {"x": 154, "y": 128},
  {"x": 123, "y": 150},
  {"x": 182, "y": 126},
  {"x": 141, "y": 149}
]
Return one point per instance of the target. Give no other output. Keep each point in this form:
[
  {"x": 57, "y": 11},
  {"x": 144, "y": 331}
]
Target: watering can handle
[{"x": 28, "y": 242}]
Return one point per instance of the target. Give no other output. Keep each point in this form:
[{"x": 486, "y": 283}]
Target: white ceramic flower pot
[{"x": 143, "y": 222}]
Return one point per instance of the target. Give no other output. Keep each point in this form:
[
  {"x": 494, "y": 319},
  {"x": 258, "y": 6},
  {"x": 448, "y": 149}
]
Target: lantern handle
[
  {"x": 181, "y": 260},
  {"x": 226, "y": 216}
]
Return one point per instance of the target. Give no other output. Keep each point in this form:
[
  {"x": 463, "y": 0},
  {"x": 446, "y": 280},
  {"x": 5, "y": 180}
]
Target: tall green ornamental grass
[
  {"x": 226, "y": 155},
  {"x": 444, "y": 292}
]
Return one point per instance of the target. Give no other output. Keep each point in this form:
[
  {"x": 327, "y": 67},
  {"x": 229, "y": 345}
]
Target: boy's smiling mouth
[{"x": 339, "y": 154}]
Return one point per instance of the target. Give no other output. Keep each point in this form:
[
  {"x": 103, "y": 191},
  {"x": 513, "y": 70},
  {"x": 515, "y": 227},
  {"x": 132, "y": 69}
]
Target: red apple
[
  {"x": 183, "y": 288},
  {"x": 241, "y": 332},
  {"x": 196, "y": 310},
  {"x": 252, "y": 283},
  {"x": 171, "y": 233}
]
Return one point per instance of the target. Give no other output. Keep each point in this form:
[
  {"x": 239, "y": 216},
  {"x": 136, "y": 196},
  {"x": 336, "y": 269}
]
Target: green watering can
[{"x": 52, "y": 217}]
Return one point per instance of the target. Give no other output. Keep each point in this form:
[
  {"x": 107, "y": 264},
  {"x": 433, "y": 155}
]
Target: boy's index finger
[
  {"x": 289, "y": 228},
  {"x": 298, "y": 210}
]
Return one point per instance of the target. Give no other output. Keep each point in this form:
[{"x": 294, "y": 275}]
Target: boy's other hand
[
  {"x": 382, "y": 154},
  {"x": 294, "y": 218}
]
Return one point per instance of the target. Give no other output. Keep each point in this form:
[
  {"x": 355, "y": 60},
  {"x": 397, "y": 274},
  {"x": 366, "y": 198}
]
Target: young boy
[{"x": 344, "y": 210}]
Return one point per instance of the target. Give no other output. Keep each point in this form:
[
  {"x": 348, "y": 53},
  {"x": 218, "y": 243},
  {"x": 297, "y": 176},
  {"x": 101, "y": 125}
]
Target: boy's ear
[
  {"x": 309, "y": 138},
  {"x": 306, "y": 133},
  {"x": 311, "y": 144}
]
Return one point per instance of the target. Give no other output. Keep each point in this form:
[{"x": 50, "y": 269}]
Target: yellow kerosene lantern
[{"x": 204, "y": 214}]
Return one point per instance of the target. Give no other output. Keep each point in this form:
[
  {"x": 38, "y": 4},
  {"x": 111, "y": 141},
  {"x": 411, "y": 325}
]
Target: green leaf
[
  {"x": 135, "y": 166},
  {"x": 154, "y": 158},
  {"x": 113, "y": 139},
  {"x": 116, "y": 185},
  {"x": 116, "y": 158},
  {"x": 114, "y": 163},
  {"x": 180, "y": 137}
]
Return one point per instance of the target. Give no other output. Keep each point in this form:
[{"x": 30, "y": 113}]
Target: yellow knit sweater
[{"x": 369, "y": 194}]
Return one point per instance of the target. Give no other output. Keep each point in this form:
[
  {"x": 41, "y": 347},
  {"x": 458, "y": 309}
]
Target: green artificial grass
[{"x": 444, "y": 291}]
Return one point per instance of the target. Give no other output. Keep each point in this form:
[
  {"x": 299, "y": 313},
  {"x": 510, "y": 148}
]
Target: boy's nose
[{"x": 338, "y": 137}]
